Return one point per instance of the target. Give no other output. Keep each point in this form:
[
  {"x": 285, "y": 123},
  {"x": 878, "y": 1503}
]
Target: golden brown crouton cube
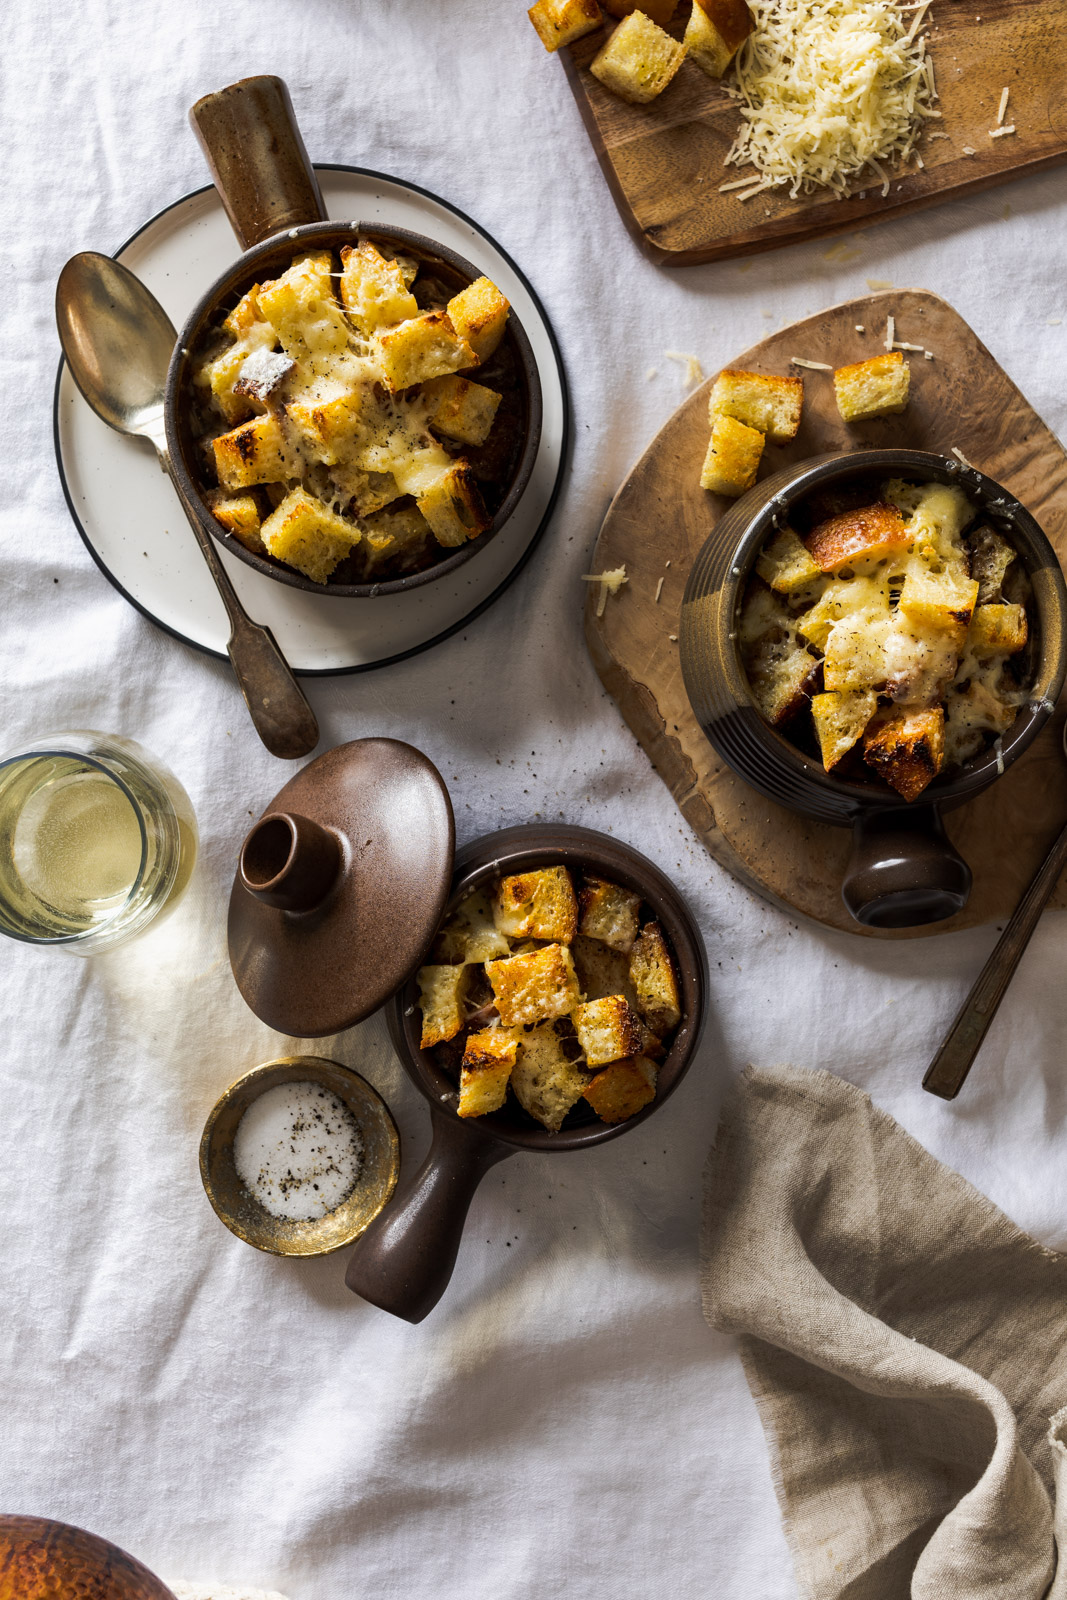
[
  {"x": 733, "y": 457},
  {"x": 327, "y": 426},
  {"x": 256, "y": 452},
  {"x": 907, "y": 749},
  {"x": 562, "y": 21},
  {"x": 373, "y": 288},
  {"x": 239, "y": 515},
  {"x": 471, "y": 934},
  {"x": 545, "y": 1081},
  {"x": 938, "y": 600},
  {"x": 479, "y": 314},
  {"x": 441, "y": 994},
  {"x": 841, "y": 718},
  {"x": 609, "y": 913},
  {"x": 857, "y": 536},
  {"x": 608, "y": 1030},
  {"x": 537, "y": 905},
  {"x": 715, "y": 32},
  {"x": 454, "y": 508},
  {"x": 653, "y": 977},
  {"x": 638, "y": 61},
  {"x": 399, "y": 537},
  {"x": 623, "y": 1089},
  {"x": 874, "y": 388},
  {"x": 303, "y": 310},
  {"x": 770, "y": 405},
  {"x": 601, "y": 970},
  {"x": 307, "y": 535},
  {"x": 460, "y": 409},
  {"x": 423, "y": 347},
  {"x": 997, "y": 629},
  {"x": 488, "y": 1058},
  {"x": 245, "y": 314},
  {"x": 534, "y": 988},
  {"x": 779, "y": 668},
  {"x": 786, "y": 565}
]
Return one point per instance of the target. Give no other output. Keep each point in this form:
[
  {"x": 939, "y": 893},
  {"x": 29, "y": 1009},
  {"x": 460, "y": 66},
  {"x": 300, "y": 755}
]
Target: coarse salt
[{"x": 299, "y": 1151}]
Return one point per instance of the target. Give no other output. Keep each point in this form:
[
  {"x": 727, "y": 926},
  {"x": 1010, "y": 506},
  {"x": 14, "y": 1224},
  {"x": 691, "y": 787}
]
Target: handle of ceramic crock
[
  {"x": 903, "y": 871},
  {"x": 257, "y": 158},
  {"x": 404, "y": 1261}
]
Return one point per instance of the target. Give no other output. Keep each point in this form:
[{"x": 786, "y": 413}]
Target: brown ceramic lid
[{"x": 340, "y": 887}]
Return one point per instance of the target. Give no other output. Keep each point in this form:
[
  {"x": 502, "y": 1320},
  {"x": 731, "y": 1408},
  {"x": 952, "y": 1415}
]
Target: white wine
[{"x": 95, "y": 838}]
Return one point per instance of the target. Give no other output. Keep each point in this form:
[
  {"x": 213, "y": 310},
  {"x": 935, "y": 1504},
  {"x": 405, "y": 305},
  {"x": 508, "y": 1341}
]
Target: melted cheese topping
[{"x": 830, "y": 90}]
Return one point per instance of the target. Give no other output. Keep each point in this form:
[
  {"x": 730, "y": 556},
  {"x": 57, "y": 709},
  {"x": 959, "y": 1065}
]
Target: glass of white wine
[{"x": 97, "y": 839}]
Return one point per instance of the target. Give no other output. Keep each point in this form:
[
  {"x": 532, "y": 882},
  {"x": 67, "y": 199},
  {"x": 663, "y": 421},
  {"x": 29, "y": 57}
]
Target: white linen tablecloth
[{"x": 565, "y": 1424}]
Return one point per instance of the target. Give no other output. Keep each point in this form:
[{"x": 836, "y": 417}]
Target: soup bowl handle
[
  {"x": 904, "y": 870},
  {"x": 249, "y": 134},
  {"x": 404, "y": 1261}
]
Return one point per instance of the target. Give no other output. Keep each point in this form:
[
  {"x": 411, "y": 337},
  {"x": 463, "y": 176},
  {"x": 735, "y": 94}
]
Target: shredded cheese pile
[{"x": 828, "y": 90}]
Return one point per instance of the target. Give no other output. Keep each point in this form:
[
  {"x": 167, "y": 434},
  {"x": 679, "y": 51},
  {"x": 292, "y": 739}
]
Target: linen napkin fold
[{"x": 905, "y": 1343}]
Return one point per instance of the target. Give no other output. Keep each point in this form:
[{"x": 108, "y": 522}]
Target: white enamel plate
[{"x": 130, "y": 519}]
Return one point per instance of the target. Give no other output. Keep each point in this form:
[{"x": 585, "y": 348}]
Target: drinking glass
[{"x": 97, "y": 839}]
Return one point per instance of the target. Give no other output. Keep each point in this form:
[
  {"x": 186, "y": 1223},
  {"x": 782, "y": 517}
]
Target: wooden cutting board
[
  {"x": 663, "y": 161},
  {"x": 659, "y": 520}
]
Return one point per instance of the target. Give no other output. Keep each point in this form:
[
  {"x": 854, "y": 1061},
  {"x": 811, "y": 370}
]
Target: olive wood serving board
[
  {"x": 660, "y": 518},
  {"x": 663, "y": 161}
]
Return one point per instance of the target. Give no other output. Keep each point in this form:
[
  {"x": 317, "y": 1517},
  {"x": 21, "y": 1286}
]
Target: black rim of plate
[{"x": 491, "y": 598}]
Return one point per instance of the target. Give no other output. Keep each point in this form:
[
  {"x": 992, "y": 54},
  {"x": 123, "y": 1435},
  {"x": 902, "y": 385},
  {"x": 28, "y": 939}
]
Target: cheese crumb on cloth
[{"x": 828, "y": 89}]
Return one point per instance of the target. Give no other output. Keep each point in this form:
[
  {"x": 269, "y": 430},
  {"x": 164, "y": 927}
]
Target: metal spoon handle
[
  {"x": 948, "y": 1070},
  {"x": 276, "y": 703}
]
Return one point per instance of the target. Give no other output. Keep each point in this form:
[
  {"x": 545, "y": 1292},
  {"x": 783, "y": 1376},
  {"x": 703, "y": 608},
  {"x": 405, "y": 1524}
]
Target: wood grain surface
[
  {"x": 663, "y": 161},
  {"x": 660, "y": 518}
]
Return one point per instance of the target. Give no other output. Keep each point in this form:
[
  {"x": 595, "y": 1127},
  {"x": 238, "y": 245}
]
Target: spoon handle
[
  {"x": 948, "y": 1070},
  {"x": 276, "y": 703}
]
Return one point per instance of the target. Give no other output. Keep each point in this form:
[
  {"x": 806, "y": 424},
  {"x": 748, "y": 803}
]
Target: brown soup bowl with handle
[
  {"x": 272, "y": 198},
  {"x": 903, "y": 870},
  {"x": 405, "y": 1259}
]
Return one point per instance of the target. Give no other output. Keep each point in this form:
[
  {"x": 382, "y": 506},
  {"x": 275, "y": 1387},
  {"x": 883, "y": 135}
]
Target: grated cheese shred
[
  {"x": 830, "y": 89},
  {"x": 610, "y": 583}
]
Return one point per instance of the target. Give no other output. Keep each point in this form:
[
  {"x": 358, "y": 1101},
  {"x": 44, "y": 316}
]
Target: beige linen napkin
[{"x": 905, "y": 1343}]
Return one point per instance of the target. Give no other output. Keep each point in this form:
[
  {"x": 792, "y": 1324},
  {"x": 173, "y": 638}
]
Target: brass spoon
[
  {"x": 118, "y": 342},
  {"x": 948, "y": 1070}
]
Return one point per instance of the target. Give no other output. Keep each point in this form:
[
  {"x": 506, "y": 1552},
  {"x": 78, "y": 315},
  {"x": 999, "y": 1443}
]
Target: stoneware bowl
[
  {"x": 405, "y": 1259},
  {"x": 272, "y": 197},
  {"x": 903, "y": 870},
  {"x": 45, "y": 1560}
]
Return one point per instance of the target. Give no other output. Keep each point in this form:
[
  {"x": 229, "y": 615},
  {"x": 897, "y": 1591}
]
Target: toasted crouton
[
  {"x": 939, "y": 600},
  {"x": 534, "y": 988},
  {"x": 997, "y": 629},
  {"x": 733, "y": 457},
  {"x": 623, "y": 1089},
  {"x": 874, "y": 388},
  {"x": 307, "y": 535},
  {"x": 441, "y": 992},
  {"x": 638, "y": 61},
  {"x": 373, "y": 288},
  {"x": 239, "y": 515},
  {"x": 460, "y": 409},
  {"x": 609, "y": 913},
  {"x": 488, "y": 1058},
  {"x": 546, "y": 1083},
  {"x": 771, "y": 405},
  {"x": 991, "y": 555},
  {"x": 907, "y": 749},
  {"x": 326, "y": 426},
  {"x": 607, "y": 1030},
  {"x": 715, "y": 32},
  {"x": 423, "y": 347},
  {"x": 454, "y": 507},
  {"x": 303, "y": 310},
  {"x": 399, "y": 537},
  {"x": 786, "y": 565},
  {"x": 562, "y": 21},
  {"x": 661, "y": 11},
  {"x": 841, "y": 718},
  {"x": 245, "y": 314},
  {"x": 479, "y": 314},
  {"x": 601, "y": 970},
  {"x": 256, "y": 452},
  {"x": 654, "y": 981},
  {"x": 779, "y": 669},
  {"x": 471, "y": 934},
  {"x": 537, "y": 905},
  {"x": 853, "y": 537}
]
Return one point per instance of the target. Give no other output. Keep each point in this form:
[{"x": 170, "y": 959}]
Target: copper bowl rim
[
  {"x": 977, "y": 774},
  {"x": 243, "y": 271},
  {"x": 541, "y": 844}
]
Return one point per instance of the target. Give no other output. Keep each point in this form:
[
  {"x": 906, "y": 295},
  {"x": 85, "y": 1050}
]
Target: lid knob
[{"x": 290, "y": 862}]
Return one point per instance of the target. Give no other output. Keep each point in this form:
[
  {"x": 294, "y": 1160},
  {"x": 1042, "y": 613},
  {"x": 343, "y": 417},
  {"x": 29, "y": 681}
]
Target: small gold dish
[{"x": 242, "y": 1212}]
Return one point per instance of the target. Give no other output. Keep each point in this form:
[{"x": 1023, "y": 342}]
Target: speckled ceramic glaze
[{"x": 904, "y": 871}]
